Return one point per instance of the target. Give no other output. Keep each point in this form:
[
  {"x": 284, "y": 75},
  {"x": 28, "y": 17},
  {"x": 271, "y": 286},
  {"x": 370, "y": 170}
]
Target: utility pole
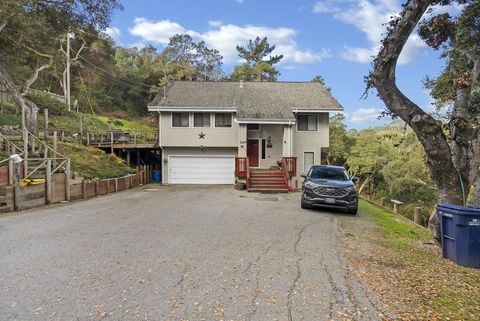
[{"x": 70, "y": 35}]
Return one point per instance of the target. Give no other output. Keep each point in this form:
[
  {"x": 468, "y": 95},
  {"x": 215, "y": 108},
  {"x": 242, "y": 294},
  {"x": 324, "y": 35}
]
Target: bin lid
[{"x": 459, "y": 209}]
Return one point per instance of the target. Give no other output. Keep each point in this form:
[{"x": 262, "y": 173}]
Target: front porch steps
[{"x": 267, "y": 181}]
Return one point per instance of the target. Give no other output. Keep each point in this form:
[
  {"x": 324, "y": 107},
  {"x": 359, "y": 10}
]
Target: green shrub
[
  {"x": 45, "y": 100},
  {"x": 10, "y": 119},
  {"x": 8, "y": 108},
  {"x": 93, "y": 163}
]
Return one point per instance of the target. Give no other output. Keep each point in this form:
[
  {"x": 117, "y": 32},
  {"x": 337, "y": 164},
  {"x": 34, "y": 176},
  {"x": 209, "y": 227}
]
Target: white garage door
[{"x": 201, "y": 169}]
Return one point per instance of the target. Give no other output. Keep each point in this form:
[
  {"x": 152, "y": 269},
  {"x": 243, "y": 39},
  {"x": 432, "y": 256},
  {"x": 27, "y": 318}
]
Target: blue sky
[{"x": 332, "y": 38}]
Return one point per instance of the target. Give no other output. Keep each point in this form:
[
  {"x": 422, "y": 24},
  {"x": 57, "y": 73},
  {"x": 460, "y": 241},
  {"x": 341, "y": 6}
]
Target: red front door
[{"x": 252, "y": 152}]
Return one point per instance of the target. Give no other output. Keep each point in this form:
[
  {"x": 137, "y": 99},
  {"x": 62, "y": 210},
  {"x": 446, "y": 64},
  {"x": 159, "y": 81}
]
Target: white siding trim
[{"x": 265, "y": 121}]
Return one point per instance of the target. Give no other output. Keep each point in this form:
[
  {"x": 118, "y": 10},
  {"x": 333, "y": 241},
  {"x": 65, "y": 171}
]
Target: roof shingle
[{"x": 253, "y": 100}]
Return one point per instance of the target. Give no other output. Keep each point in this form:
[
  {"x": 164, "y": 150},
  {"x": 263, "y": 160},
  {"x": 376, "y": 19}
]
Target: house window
[
  {"x": 264, "y": 148},
  {"x": 201, "y": 120},
  {"x": 308, "y": 161},
  {"x": 180, "y": 120},
  {"x": 253, "y": 126},
  {"x": 223, "y": 120},
  {"x": 307, "y": 122}
]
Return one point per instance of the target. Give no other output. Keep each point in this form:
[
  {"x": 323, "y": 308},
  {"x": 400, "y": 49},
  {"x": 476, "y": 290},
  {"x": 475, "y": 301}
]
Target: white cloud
[
  {"x": 215, "y": 23},
  {"x": 225, "y": 38},
  {"x": 240, "y": 1},
  {"x": 369, "y": 16},
  {"x": 160, "y": 31},
  {"x": 364, "y": 115},
  {"x": 327, "y": 6},
  {"x": 114, "y": 33}
]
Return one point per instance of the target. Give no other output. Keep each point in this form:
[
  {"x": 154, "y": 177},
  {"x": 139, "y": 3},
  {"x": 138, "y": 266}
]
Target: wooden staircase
[{"x": 267, "y": 181}]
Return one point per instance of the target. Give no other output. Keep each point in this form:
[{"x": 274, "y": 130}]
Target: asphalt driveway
[{"x": 180, "y": 253}]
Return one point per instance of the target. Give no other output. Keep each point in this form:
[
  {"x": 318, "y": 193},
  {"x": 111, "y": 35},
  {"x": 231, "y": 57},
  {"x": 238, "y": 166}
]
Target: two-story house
[{"x": 267, "y": 133}]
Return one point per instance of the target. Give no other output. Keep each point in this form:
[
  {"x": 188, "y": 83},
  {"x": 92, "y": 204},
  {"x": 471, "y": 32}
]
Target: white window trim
[
  {"x": 303, "y": 159},
  {"x": 190, "y": 119},
  {"x": 215, "y": 116},
  {"x": 201, "y": 112},
  {"x": 308, "y": 131}
]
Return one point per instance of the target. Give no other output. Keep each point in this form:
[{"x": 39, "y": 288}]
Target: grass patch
[
  {"x": 93, "y": 163},
  {"x": 98, "y": 123},
  {"x": 410, "y": 273},
  {"x": 400, "y": 233},
  {"x": 10, "y": 119}
]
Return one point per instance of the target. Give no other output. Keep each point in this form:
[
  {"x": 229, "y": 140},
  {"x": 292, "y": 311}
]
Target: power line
[
  {"x": 110, "y": 73},
  {"x": 106, "y": 76}
]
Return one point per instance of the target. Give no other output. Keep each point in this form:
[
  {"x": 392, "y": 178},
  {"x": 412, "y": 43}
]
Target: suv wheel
[
  {"x": 353, "y": 211},
  {"x": 304, "y": 205}
]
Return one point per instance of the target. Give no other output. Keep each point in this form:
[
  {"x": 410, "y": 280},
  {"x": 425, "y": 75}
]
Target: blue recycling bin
[
  {"x": 460, "y": 234},
  {"x": 157, "y": 176}
]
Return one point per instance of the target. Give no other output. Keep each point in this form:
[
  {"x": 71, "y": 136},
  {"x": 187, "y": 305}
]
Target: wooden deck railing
[
  {"x": 286, "y": 172},
  {"x": 290, "y": 164},
  {"x": 135, "y": 137},
  {"x": 248, "y": 173},
  {"x": 106, "y": 138}
]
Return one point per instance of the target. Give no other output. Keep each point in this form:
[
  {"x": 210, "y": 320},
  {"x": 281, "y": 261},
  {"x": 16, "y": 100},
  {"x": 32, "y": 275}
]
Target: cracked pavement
[{"x": 181, "y": 253}]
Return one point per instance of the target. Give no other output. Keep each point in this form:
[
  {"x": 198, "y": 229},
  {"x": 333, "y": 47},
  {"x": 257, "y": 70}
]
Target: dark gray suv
[{"x": 330, "y": 186}]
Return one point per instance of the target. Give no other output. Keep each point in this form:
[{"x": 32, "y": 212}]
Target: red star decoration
[{"x": 201, "y": 135}]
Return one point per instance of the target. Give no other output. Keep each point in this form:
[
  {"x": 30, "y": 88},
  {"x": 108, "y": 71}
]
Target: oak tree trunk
[
  {"x": 452, "y": 162},
  {"x": 31, "y": 110}
]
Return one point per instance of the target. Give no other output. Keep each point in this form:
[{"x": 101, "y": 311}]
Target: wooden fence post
[
  {"x": 131, "y": 181},
  {"x": 67, "y": 181},
  {"x": 55, "y": 138},
  {"x": 48, "y": 179},
  {"x": 111, "y": 142},
  {"x": 116, "y": 184},
  {"x": 84, "y": 189},
  {"x": 382, "y": 201},
  {"x": 16, "y": 195},
  {"x": 417, "y": 216},
  {"x": 96, "y": 188},
  {"x": 395, "y": 208},
  {"x": 108, "y": 186},
  {"x": 10, "y": 172},
  {"x": 81, "y": 127}
]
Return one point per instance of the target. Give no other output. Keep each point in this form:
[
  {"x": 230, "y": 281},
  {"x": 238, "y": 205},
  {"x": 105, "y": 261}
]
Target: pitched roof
[{"x": 252, "y": 100}]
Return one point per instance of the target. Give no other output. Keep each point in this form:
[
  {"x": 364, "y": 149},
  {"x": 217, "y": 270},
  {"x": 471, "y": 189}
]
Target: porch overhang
[
  {"x": 265, "y": 121},
  {"x": 315, "y": 110}
]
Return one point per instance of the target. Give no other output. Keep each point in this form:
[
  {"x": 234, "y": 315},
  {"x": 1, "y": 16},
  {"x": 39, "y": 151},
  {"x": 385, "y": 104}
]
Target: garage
[{"x": 201, "y": 169}]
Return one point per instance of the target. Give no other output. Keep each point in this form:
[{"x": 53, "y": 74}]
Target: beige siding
[
  {"x": 192, "y": 151},
  {"x": 274, "y": 154},
  {"x": 304, "y": 141},
  {"x": 229, "y": 141},
  {"x": 188, "y": 137}
]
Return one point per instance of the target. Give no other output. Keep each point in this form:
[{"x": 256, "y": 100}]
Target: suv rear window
[{"x": 329, "y": 173}]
